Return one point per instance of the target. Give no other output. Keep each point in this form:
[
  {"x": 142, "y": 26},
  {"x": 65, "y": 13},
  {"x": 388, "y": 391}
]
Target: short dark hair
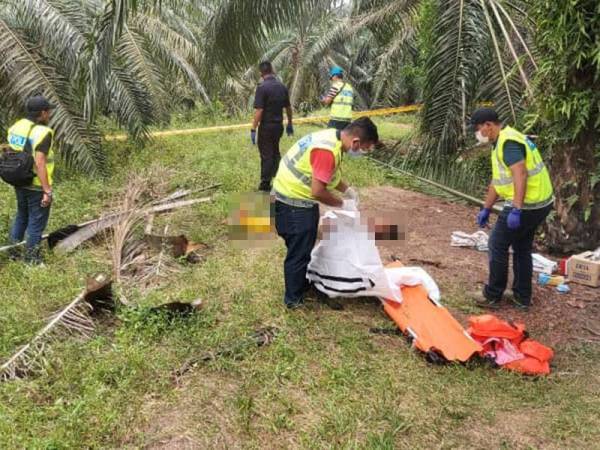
[
  {"x": 364, "y": 129},
  {"x": 265, "y": 67}
]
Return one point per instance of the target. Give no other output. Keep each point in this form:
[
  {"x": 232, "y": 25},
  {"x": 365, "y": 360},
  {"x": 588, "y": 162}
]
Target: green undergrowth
[{"x": 325, "y": 381}]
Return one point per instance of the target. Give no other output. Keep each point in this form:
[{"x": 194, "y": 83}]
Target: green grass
[{"x": 323, "y": 383}]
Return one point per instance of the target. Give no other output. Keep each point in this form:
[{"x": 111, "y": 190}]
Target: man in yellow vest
[
  {"x": 521, "y": 179},
  {"x": 310, "y": 173},
  {"x": 341, "y": 98},
  {"x": 33, "y": 201}
]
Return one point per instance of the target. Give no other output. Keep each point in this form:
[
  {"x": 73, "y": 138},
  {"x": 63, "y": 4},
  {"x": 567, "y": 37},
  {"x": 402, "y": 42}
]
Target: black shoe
[
  {"x": 294, "y": 306},
  {"x": 520, "y": 304},
  {"x": 333, "y": 304},
  {"x": 483, "y": 302},
  {"x": 312, "y": 293}
]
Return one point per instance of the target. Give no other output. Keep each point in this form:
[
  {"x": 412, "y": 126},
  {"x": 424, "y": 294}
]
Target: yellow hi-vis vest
[
  {"x": 294, "y": 176},
  {"x": 17, "y": 137},
  {"x": 341, "y": 107},
  {"x": 539, "y": 192}
]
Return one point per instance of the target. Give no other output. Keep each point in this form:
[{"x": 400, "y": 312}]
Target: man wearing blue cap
[
  {"x": 34, "y": 197},
  {"x": 340, "y": 97}
]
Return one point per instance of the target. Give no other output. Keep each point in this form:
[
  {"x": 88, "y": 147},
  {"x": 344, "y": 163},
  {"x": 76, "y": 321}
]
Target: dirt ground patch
[
  {"x": 215, "y": 409},
  {"x": 554, "y": 318}
]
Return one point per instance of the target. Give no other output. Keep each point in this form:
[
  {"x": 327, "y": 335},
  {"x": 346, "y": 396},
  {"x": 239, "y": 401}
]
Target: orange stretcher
[{"x": 431, "y": 326}]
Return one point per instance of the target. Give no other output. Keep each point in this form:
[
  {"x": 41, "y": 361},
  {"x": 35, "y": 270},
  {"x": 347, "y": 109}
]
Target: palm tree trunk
[
  {"x": 298, "y": 74},
  {"x": 575, "y": 226}
]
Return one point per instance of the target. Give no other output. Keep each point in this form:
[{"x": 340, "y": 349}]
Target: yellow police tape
[{"x": 239, "y": 126}]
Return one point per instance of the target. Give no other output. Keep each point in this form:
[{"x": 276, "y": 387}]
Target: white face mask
[
  {"x": 481, "y": 138},
  {"x": 356, "y": 153}
]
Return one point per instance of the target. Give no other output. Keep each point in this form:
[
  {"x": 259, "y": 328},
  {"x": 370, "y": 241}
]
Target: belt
[
  {"x": 294, "y": 201},
  {"x": 538, "y": 205}
]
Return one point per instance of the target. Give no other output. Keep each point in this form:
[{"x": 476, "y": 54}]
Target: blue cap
[
  {"x": 336, "y": 71},
  {"x": 38, "y": 103}
]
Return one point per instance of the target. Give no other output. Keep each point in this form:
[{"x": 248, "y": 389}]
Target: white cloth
[
  {"x": 478, "y": 240},
  {"x": 349, "y": 205},
  {"x": 346, "y": 263},
  {"x": 412, "y": 276},
  {"x": 542, "y": 264}
]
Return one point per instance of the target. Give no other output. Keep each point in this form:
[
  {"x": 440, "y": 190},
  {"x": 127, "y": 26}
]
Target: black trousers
[
  {"x": 521, "y": 241},
  {"x": 298, "y": 228},
  {"x": 269, "y": 135}
]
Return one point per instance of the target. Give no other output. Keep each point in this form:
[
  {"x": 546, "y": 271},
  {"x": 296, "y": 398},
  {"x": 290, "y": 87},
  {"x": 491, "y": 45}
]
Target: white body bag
[{"x": 346, "y": 263}]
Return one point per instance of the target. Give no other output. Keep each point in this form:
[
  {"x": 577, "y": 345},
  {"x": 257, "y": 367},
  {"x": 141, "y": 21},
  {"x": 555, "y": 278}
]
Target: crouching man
[{"x": 308, "y": 174}]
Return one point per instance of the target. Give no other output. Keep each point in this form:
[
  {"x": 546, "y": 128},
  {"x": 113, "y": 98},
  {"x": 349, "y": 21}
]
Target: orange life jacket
[{"x": 537, "y": 357}]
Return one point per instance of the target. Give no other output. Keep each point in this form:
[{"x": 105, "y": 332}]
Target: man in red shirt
[{"x": 309, "y": 174}]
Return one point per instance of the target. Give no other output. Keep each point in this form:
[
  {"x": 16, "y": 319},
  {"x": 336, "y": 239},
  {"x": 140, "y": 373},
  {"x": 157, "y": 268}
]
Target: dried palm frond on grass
[
  {"x": 140, "y": 261},
  {"x": 72, "y": 320}
]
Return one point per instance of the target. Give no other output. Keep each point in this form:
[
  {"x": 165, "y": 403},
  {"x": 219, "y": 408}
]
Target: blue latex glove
[
  {"x": 253, "y": 136},
  {"x": 289, "y": 129},
  {"x": 483, "y": 217},
  {"x": 513, "y": 220}
]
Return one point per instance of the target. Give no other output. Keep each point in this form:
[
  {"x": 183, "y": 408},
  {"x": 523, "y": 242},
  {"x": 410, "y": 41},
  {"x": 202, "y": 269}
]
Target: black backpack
[{"x": 16, "y": 167}]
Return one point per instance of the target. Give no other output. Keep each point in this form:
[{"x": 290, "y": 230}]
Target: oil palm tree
[{"x": 91, "y": 56}]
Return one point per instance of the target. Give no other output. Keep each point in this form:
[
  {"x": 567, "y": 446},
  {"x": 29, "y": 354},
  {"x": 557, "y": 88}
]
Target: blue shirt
[{"x": 514, "y": 152}]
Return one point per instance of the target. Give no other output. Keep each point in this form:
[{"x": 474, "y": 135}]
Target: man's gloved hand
[
  {"x": 483, "y": 217},
  {"x": 349, "y": 205},
  {"x": 513, "y": 221},
  {"x": 253, "y": 136},
  {"x": 352, "y": 194},
  {"x": 289, "y": 129}
]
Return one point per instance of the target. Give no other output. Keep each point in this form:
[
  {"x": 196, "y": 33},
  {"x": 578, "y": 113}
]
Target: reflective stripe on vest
[
  {"x": 294, "y": 176},
  {"x": 539, "y": 187},
  {"x": 17, "y": 137},
  {"x": 341, "y": 107}
]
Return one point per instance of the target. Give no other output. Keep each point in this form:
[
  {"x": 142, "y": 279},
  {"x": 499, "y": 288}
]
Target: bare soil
[{"x": 554, "y": 318}]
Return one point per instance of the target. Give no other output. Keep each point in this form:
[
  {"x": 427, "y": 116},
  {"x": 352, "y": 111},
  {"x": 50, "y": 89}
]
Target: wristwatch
[{"x": 48, "y": 193}]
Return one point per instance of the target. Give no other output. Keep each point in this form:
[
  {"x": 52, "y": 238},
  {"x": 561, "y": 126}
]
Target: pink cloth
[{"x": 502, "y": 350}]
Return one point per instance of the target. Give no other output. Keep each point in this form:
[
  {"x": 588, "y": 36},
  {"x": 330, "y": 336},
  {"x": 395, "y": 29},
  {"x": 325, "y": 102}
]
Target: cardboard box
[{"x": 583, "y": 270}]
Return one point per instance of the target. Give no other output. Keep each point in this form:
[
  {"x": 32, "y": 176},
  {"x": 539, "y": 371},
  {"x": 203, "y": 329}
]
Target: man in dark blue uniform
[{"x": 269, "y": 101}]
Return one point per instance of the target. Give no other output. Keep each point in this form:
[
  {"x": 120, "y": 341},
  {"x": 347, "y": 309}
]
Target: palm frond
[
  {"x": 28, "y": 73},
  {"x": 51, "y": 26},
  {"x": 105, "y": 33},
  {"x": 129, "y": 103},
  {"x": 143, "y": 74},
  {"x": 400, "y": 49},
  {"x": 459, "y": 49},
  {"x": 506, "y": 93},
  {"x": 238, "y": 28},
  {"x": 455, "y": 73},
  {"x": 152, "y": 26},
  {"x": 72, "y": 320},
  {"x": 175, "y": 61}
]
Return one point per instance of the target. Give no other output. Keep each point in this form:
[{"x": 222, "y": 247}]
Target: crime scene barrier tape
[{"x": 239, "y": 126}]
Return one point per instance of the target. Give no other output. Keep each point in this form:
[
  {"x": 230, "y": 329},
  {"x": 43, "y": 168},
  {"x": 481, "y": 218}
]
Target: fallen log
[
  {"x": 89, "y": 231},
  {"x": 62, "y": 233}
]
